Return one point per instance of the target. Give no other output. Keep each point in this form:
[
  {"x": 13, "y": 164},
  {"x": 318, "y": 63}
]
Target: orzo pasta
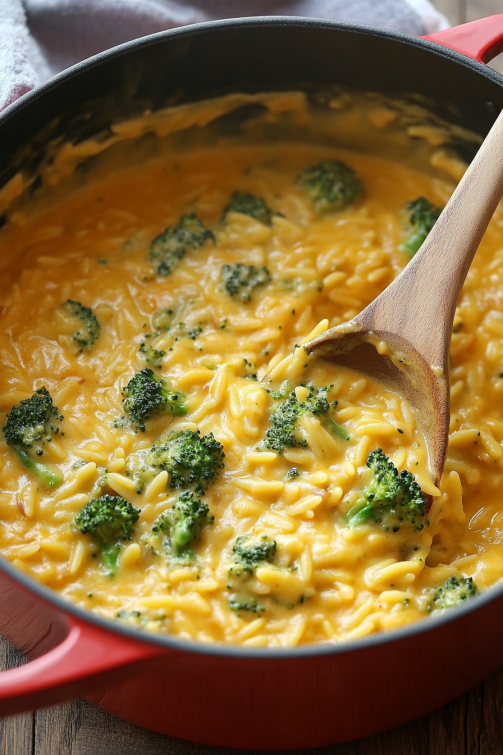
[{"x": 247, "y": 512}]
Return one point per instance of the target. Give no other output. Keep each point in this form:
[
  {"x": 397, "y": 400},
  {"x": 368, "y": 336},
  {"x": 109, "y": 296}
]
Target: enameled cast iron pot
[{"x": 231, "y": 696}]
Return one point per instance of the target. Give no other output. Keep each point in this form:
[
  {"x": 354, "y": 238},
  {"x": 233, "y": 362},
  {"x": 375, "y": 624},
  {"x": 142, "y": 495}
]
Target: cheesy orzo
[{"x": 271, "y": 558}]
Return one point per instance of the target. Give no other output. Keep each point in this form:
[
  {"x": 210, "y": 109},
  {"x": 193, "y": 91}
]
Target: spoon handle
[{"x": 420, "y": 303}]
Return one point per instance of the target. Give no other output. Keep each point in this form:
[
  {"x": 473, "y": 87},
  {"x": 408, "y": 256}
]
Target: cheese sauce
[{"x": 316, "y": 577}]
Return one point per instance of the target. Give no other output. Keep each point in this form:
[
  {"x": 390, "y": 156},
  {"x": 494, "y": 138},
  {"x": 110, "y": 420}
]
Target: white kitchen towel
[{"x": 39, "y": 38}]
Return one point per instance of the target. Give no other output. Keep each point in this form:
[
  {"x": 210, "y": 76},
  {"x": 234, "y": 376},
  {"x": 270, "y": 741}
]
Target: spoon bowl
[
  {"x": 395, "y": 363},
  {"x": 403, "y": 337}
]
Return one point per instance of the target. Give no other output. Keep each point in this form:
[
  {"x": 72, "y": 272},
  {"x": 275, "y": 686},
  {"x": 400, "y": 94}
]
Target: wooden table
[{"x": 470, "y": 725}]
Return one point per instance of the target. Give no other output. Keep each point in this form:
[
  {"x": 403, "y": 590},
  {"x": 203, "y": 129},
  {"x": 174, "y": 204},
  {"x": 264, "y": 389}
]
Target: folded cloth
[{"x": 39, "y": 38}]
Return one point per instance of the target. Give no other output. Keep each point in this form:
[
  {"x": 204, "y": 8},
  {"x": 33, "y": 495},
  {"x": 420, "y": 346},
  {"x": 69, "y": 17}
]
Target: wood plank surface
[{"x": 470, "y": 725}]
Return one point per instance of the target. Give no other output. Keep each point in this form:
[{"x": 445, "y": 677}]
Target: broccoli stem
[
  {"x": 50, "y": 477},
  {"x": 179, "y": 410},
  {"x": 183, "y": 534},
  {"x": 110, "y": 555},
  {"x": 360, "y": 513},
  {"x": 337, "y": 429},
  {"x": 413, "y": 243}
]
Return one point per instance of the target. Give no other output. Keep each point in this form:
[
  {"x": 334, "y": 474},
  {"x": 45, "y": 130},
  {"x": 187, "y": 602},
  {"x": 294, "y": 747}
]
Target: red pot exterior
[
  {"x": 251, "y": 699},
  {"x": 290, "y": 703},
  {"x": 232, "y": 697}
]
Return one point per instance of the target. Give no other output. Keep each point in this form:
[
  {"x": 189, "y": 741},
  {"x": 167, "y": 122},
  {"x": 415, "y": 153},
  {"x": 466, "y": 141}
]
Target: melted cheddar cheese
[{"x": 319, "y": 580}]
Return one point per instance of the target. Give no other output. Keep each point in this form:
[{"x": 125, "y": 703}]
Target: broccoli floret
[
  {"x": 421, "y": 217},
  {"x": 183, "y": 523},
  {"x": 250, "y": 370},
  {"x": 153, "y": 620},
  {"x": 151, "y": 355},
  {"x": 242, "y": 279},
  {"x": 146, "y": 396},
  {"x": 283, "y": 432},
  {"x": 391, "y": 497},
  {"x": 236, "y": 604},
  {"x": 33, "y": 422},
  {"x": 30, "y": 425},
  {"x": 163, "y": 320},
  {"x": 283, "y": 391},
  {"x": 166, "y": 321},
  {"x": 250, "y": 552},
  {"x": 183, "y": 331},
  {"x": 169, "y": 247},
  {"x": 110, "y": 519},
  {"x": 451, "y": 594},
  {"x": 169, "y": 319},
  {"x": 192, "y": 461},
  {"x": 249, "y": 204},
  {"x": 90, "y": 330},
  {"x": 300, "y": 286},
  {"x": 130, "y": 616},
  {"x": 330, "y": 185}
]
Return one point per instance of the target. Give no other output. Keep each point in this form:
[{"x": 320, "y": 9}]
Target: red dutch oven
[{"x": 232, "y": 696}]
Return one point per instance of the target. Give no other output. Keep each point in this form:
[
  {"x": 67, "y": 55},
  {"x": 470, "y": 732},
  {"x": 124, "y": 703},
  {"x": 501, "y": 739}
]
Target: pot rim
[
  {"x": 248, "y": 21},
  {"x": 420, "y": 627}
]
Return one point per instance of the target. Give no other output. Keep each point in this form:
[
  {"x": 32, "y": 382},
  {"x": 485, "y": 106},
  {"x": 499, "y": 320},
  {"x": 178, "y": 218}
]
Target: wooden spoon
[{"x": 402, "y": 338}]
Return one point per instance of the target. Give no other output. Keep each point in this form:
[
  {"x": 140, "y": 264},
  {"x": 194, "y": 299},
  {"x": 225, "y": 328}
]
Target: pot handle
[
  {"x": 481, "y": 40},
  {"x": 72, "y": 668}
]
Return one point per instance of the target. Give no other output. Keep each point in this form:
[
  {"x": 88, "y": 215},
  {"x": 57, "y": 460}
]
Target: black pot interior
[
  {"x": 251, "y": 56},
  {"x": 257, "y": 55}
]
